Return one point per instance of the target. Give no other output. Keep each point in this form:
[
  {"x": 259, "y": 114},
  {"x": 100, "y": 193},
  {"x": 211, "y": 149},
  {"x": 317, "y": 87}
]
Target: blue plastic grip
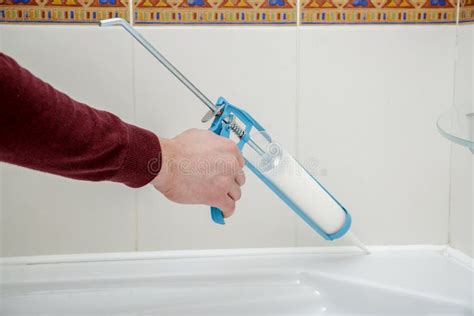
[
  {"x": 222, "y": 129},
  {"x": 217, "y": 215}
]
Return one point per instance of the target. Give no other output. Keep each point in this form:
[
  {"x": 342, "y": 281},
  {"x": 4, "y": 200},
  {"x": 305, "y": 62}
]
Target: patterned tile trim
[
  {"x": 466, "y": 15},
  {"x": 377, "y": 11},
  {"x": 272, "y": 12},
  {"x": 215, "y": 12},
  {"x": 61, "y": 11}
]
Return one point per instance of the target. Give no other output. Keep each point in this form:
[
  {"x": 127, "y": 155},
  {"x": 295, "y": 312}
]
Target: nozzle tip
[{"x": 353, "y": 238}]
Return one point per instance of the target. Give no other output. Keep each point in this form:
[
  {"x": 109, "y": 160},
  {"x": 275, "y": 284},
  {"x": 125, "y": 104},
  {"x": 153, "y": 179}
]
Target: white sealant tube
[{"x": 295, "y": 182}]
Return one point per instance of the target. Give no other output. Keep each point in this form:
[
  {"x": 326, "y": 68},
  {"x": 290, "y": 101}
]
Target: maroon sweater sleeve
[{"x": 44, "y": 129}]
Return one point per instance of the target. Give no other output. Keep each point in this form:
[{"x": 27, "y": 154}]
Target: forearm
[{"x": 43, "y": 129}]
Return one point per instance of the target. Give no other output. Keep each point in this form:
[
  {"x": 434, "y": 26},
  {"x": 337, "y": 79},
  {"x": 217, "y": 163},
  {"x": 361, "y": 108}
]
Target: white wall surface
[
  {"x": 252, "y": 67},
  {"x": 44, "y": 214},
  {"x": 462, "y": 160},
  {"x": 360, "y": 101},
  {"x": 369, "y": 100}
]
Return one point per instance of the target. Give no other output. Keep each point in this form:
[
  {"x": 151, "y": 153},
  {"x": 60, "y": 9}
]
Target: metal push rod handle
[
  {"x": 176, "y": 73},
  {"x": 161, "y": 59}
]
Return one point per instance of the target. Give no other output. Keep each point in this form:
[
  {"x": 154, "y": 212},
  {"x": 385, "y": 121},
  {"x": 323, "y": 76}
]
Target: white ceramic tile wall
[
  {"x": 252, "y": 67},
  {"x": 461, "y": 208},
  {"x": 462, "y": 160},
  {"x": 369, "y": 100},
  {"x": 44, "y": 214}
]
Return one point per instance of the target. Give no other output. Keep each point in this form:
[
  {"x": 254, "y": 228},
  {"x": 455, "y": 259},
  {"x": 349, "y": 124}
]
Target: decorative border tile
[
  {"x": 466, "y": 14},
  {"x": 215, "y": 12},
  {"x": 377, "y": 11},
  {"x": 61, "y": 11}
]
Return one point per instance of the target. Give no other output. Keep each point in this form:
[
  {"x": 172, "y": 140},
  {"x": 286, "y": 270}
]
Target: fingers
[
  {"x": 232, "y": 148},
  {"x": 234, "y": 192},
  {"x": 229, "y": 211},
  {"x": 227, "y": 203},
  {"x": 240, "y": 158},
  {"x": 229, "y": 189},
  {"x": 227, "y": 206},
  {"x": 240, "y": 178}
]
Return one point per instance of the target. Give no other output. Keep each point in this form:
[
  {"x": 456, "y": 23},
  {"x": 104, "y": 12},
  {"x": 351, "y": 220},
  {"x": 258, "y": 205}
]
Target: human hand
[{"x": 199, "y": 167}]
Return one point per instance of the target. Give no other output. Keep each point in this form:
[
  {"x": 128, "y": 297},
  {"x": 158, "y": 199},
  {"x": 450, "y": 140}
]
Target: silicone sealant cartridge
[{"x": 282, "y": 173}]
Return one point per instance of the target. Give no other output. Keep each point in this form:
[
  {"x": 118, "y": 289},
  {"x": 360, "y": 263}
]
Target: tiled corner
[
  {"x": 257, "y": 73},
  {"x": 377, "y": 11},
  {"x": 61, "y": 11},
  {"x": 462, "y": 192},
  {"x": 215, "y": 11},
  {"x": 462, "y": 160},
  {"x": 46, "y": 214},
  {"x": 370, "y": 126}
]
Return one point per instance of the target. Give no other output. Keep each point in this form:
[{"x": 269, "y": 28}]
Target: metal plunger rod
[
  {"x": 161, "y": 59},
  {"x": 174, "y": 71}
]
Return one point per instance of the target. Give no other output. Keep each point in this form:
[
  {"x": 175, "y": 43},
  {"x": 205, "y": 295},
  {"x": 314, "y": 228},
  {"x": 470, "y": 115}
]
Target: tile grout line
[
  {"x": 458, "y": 9},
  {"x": 135, "y": 192},
  {"x": 134, "y": 104},
  {"x": 135, "y": 230},
  {"x": 130, "y": 12},
  {"x": 297, "y": 99},
  {"x": 453, "y": 100},
  {"x": 298, "y": 13}
]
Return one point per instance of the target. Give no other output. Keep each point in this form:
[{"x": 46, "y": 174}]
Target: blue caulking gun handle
[
  {"x": 222, "y": 127},
  {"x": 224, "y": 131},
  {"x": 217, "y": 215}
]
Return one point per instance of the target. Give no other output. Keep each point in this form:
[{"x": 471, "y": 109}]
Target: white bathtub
[{"x": 392, "y": 280}]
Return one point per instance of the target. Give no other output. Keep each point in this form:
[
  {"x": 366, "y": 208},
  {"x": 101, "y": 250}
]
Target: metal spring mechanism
[
  {"x": 237, "y": 129},
  {"x": 240, "y": 132}
]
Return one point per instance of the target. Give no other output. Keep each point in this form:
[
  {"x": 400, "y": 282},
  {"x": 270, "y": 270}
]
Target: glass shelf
[{"x": 458, "y": 127}]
